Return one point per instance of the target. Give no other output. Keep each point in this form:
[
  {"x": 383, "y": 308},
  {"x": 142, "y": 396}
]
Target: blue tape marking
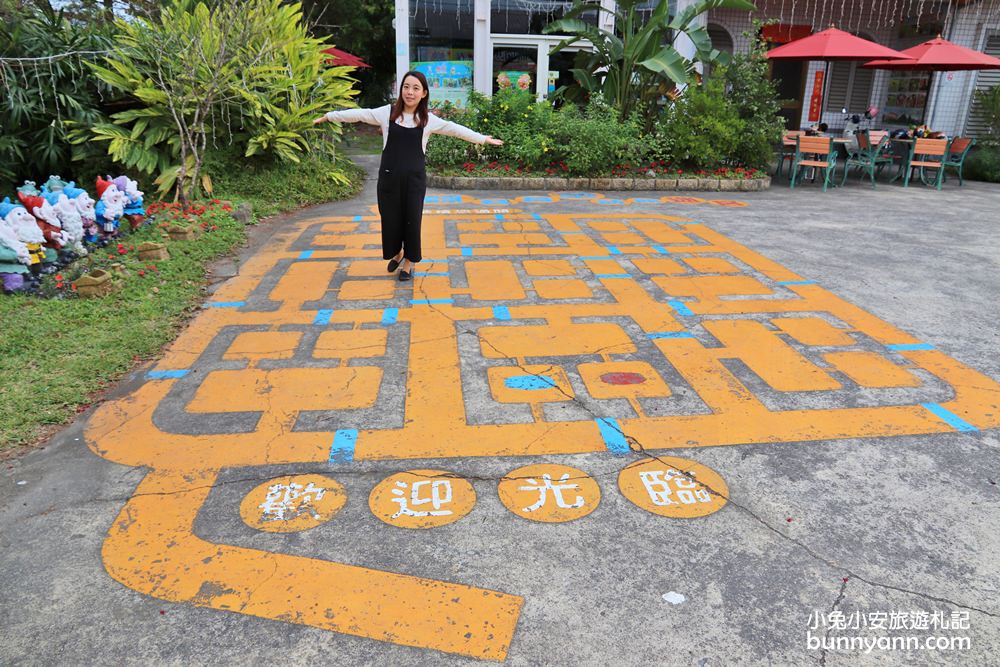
[
  {"x": 501, "y": 313},
  {"x": 323, "y": 317},
  {"x": 660, "y": 249},
  {"x": 534, "y": 199},
  {"x": 950, "y": 418},
  {"x": 430, "y": 273},
  {"x": 466, "y": 252},
  {"x": 344, "y": 441},
  {"x": 389, "y": 316},
  {"x": 225, "y": 304},
  {"x": 614, "y": 250},
  {"x": 911, "y": 346},
  {"x": 166, "y": 375},
  {"x": 434, "y": 261},
  {"x": 669, "y": 334},
  {"x": 609, "y": 202},
  {"x": 427, "y": 302},
  {"x": 305, "y": 254},
  {"x": 536, "y": 216},
  {"x": 577, "y": 195},
  {"x": 494, "y": 202},
  {"x": 614, "y": 439},
  {"x": 357, "y": 218},
  {"x": 681, "y": 308},
  {"x": 529, "y": 382},
  {"x": 499, "y": 216},
  {"x": 796, "y": 282},
  {"x": 612, "y": 275},
  {"x": 598, "y": 257},
  {"x": 645, "y": 200}
]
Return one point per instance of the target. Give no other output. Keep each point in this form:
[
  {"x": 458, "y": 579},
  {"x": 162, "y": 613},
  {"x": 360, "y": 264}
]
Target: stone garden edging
[{"x": 598, "y": 184}]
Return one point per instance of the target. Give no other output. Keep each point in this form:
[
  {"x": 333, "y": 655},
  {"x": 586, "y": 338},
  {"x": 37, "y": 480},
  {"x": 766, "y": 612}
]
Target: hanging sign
[{"x": 816, "y": 101}]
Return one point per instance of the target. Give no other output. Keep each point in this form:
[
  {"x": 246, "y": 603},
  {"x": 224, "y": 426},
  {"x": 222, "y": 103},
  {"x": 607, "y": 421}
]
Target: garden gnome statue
[
  {"x": 134, "y": 211},
  {"x": 69, "y": 218},
  {"x": 14, "y": 260},
  {"x": 85, "y": 206},
  {"x": 110, "y": 206},
  {"x": 55, "y": 238},
  {"x": 26, "y": 230}
]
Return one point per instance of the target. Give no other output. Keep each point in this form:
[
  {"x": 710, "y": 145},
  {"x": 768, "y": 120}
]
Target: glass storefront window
[{"x": 441, "y": 40}]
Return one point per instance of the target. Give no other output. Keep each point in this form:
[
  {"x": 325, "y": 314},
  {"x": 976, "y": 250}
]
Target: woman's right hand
[{"x": 322, "y": 119}]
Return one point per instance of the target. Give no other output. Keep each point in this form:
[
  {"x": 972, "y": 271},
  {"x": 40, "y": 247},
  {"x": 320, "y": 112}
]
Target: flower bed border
[{"x": 701, "y": 184}]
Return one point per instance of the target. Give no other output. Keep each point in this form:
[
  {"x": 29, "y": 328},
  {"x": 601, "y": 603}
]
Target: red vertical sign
[{"x": 816, "y": 101}]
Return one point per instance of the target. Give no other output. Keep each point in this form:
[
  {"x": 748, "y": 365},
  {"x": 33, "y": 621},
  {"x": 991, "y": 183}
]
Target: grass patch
[{"x": 56, "y": 353}]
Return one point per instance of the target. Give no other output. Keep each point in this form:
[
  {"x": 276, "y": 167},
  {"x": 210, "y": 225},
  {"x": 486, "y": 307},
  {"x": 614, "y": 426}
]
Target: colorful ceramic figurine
[
  {"x": 85, "y": 206},
  {"x": 14, "y": 260},
  {"x": 69, "y": 218},
  {"x": 134, "y": 210},
  {"x": 110, "y": 206},
  {"x": 45, "y": 216},
  {"x": 27, "y": 231}
]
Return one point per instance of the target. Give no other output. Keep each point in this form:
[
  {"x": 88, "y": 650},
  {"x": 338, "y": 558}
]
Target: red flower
[
  {"x": 141, "y": 273},
  {"x": 59, "y": 277},
  {"x": 59, "y": 285},
  {"x": 72, "y": 286}
]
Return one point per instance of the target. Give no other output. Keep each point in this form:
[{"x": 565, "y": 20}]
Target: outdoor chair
[
  {"x": 922, "y": 154},
  {"x": 957, "y": 152},
  {"x": 815, "y": 152},
  {"x": 869, "y": 156},
  {"x": 786, "y": 152}
]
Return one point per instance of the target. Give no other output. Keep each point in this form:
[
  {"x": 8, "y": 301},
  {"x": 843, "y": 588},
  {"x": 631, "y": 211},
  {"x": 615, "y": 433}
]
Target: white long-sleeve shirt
[{"x": 380, "y": 117}]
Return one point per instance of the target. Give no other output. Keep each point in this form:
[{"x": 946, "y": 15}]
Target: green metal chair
[
  {"x": 787, "y": 151},
  {"x": 869, "y": 156},
  {"x": 821, "y": 156},
  {"x": 957, "y": 152}
]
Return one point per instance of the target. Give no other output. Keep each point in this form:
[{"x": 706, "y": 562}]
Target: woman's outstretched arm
[
  {"x": 370, "y": 116},
  {"x": 440, "y": 126}
]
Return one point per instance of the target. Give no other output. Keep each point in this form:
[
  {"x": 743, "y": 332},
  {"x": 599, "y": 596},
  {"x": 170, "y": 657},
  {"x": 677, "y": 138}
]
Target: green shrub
[
  {"x": 243, "y": 72},
  {"x": 700, "y": 129},
  {"x": 538, "y": 138},
  {"x": 755, "y": 97},
  {"x": 983, "y": 164},
  {"x": 41, "y": 97}
]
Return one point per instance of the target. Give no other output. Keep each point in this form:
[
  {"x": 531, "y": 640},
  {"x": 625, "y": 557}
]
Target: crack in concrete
[{"x": 829, "y": 629}]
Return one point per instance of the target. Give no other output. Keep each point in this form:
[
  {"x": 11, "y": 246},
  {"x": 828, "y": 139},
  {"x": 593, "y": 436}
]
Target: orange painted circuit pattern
[{"x": 570, "y": 330}]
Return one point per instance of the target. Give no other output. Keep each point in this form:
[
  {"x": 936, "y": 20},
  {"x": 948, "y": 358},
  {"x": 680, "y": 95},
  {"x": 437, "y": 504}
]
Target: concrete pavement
[{"x": 758, "y": 412}]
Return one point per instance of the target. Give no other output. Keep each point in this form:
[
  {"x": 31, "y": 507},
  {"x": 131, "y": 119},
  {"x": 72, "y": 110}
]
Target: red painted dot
[{"x": 622, "y": 378}]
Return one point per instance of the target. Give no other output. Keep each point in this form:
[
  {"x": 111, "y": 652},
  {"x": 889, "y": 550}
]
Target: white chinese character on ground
[
  {"x": 855, "y": 621},
  {"x": 287, "y": 501},
  {"x": 899, "y": 620},
  {"x": 658, "y": 486},
  {"x": 921, "y": 620},
  {"x": 959, "y": 620},
  {"x": 440, "y": 494},
  {"x": 837, "y": 620},
  {"x": 556, "y": 489},
  {"x": 877, "y": 620},
  {"x": 937, "y": 620},
  {"x": 817, "y": 619}
]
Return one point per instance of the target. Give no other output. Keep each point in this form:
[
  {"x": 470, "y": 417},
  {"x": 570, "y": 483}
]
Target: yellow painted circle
[
  {"x": 549, "y": 493},
  {"x": 673, "y": 487},
  {"x": 422, "y": 499},
  {"x": 292, "y": 503}
]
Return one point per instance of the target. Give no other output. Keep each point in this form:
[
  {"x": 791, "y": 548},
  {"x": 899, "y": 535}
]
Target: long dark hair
[{"x": 420, "y": 115}]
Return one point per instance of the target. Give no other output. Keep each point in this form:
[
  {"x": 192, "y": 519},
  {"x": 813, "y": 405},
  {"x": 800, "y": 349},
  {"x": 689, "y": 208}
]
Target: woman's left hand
[{"x": 493, "y": 142}]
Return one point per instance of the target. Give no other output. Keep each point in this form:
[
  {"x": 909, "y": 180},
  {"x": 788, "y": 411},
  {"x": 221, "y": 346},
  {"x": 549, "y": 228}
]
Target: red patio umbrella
[
  {"x": 343, "y": 58},
  {"x": 938, "y": 55},
  {"x": 833, "y": 44}
]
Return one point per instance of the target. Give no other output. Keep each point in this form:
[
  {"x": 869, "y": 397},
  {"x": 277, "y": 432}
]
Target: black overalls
[{"x": 402, "y": 182}]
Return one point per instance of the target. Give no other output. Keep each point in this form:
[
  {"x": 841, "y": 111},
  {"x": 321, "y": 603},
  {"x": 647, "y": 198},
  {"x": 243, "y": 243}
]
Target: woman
[{"x": 406, "y": 126}]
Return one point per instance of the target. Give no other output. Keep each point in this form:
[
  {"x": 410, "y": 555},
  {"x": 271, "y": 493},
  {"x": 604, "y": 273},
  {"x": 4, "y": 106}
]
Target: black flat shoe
[
  {"x": 393, "y": 265},
  {"x": 404, "y": 276}
]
